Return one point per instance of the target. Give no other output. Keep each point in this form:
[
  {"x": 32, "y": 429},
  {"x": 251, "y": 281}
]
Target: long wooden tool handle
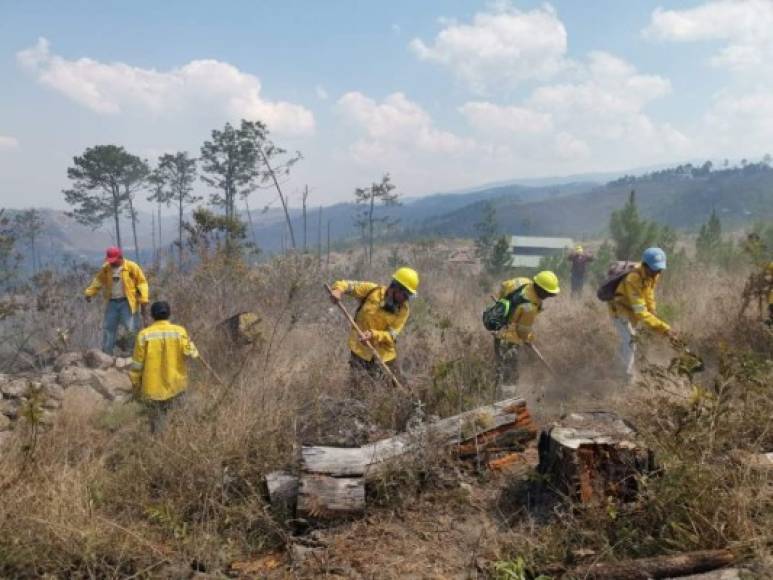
[
  {"x": 370, "y": 346},
  {"x": 211, "y": 371},
  {"x": 542, "y": 358}
]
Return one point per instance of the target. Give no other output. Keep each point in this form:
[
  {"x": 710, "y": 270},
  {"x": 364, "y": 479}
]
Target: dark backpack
[
  {"x": 497, "y": 316},
  {"x": 615, "y": 274}
]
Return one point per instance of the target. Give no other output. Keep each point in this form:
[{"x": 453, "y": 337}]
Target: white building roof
[
  {"x": 540, "y": 242},
  {"x": 525, "y": 261}
]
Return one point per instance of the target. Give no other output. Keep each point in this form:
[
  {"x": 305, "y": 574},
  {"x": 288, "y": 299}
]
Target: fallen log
[
  {"x": 322, "y": 496},
  {"x": 658, "y": 567},
  {"x": 483, "y": 424},
  {"x": 282, "y": 489},
  {"x": 594, "y": 455}
]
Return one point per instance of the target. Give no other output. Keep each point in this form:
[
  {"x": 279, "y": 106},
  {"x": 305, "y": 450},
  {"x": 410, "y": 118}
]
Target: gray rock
[
  {"x": 53, "y": 391},
  {"x": 15, "y": 389},
  {"x": 5, "y": 423},
  {"x": 68, "y": 359},
  {"x": 96, "y": 359},
  {"x": 111, "y": 383},
  {"x": 76, "y": 376},
  {"x": 48, "y": 379},
  {"x": 123, "y": 363},
  {"x": 10, "y": 408},
  {"x": 80, "y": 397},
  {"x": 51, "y": 404}
]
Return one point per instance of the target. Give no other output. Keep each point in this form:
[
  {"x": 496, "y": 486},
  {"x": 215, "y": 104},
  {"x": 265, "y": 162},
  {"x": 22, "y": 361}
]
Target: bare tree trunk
[
  {"x": 319, "y": 237},
  {"x": 134, "y": 229},
  {"x": 327, "y": 262},
  {"x": 370, "y": 227},
  {"x": 153, "y": 239},
  {"x": 160, "y": 238},
  {"x": 180, "y": 234},
  {"x": 305, "y": 230},
  {"x": 116, "y": 211},
  {"x": 249, "y": 220},
  {"x": 281, "y": 196}
]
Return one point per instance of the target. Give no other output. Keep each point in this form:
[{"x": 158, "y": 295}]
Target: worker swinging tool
[{"x": 375, "y": 326}]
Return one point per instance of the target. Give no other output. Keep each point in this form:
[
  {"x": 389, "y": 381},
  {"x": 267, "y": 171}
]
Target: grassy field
[{"x": 96, "y": 496}]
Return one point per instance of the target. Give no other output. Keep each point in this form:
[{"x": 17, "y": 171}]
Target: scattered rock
[
  {"x": 80, "y": 397},
  {"x": 15, "y": 389},
  {"x": 96, "y": 359},
  {"x": 53, "y": 391},
  {"x": 123, "y": 363},
  {"x": 5, "y": 423},
  {"x": 111, "y": 383},
  {"x": 75, "y": 376},
  {"x": 9, "y": 408},
  {"x": 51, "y": 404},
  {"x": 301, "y": 553},
  {"x": 67, "y": 359},
  {"x": 47, "y": 379}
]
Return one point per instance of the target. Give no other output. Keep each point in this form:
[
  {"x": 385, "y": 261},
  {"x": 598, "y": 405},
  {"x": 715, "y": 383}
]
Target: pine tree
[
  {"x": 378, "y": 194},
  {"x": 173, "y": 183},
  {"x": 633, "y": 234},
  {"x": 709, "y": 241},
  {"x": 486, "y": 233},
  {"x": 499, "y": 258}
]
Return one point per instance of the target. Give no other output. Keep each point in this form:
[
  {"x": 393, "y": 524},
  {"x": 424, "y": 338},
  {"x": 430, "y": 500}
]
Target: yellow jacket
[
  {"x": 518, "y": 330},
  {"x": 384, "y": 325},
  {"x": 635, "y": 300},
  {"x": 134, "y": 282},
  {"x": 158, "y": 368}
]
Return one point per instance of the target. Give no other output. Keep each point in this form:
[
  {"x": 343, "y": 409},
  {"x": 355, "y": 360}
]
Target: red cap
[{"x": 114, "y": 256}]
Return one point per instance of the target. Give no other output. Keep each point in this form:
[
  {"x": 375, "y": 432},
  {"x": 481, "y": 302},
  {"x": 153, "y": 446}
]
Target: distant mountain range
[{"x": 682, "y": 197}]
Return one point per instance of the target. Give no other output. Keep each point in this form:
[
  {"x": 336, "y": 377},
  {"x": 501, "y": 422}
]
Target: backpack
[
  {"x": 615, "y": 274},
  {"x": 497, "y": 316}
]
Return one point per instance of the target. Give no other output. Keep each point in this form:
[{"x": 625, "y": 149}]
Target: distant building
[{"x": 527, "y": 251}]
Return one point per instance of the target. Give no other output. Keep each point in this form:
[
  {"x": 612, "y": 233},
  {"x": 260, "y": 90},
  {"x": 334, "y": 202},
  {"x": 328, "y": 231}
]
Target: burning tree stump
[{"x": 591, "y": 456}]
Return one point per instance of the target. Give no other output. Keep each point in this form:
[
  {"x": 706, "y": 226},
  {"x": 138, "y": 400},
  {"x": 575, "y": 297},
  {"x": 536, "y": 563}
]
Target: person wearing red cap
[{"x": 125, "y": 288}]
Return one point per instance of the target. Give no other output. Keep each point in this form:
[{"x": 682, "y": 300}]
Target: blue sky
[{"x": 443, "y": 95}]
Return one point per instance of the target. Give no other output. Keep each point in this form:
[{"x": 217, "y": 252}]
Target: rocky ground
[{"x": 74, "y": 378}]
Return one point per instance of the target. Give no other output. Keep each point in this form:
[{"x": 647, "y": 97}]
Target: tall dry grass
[{"x": 97, "y": 496}]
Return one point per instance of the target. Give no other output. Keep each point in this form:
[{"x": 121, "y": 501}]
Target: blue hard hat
[{"x": 655, "y": 258}]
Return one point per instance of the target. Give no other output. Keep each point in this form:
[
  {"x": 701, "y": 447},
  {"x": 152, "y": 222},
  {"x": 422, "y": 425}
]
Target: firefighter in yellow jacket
[
  {"x": 381, "y": 316},
  {"x": 526, "y": 298},
  {"x": 158, "y": 370},
  {"x": 634, "y": 305},
  {"x": 125, "y": 290}
]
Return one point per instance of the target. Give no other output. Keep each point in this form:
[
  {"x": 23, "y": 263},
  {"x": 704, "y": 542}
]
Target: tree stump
[{"x": 592, "y": 456}]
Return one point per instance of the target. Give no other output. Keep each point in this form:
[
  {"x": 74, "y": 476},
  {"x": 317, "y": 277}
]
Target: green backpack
[{"x": 497, "y": 316}]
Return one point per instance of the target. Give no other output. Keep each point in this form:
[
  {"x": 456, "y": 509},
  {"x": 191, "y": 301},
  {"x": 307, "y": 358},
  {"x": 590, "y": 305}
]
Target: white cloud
[
  {"x": 502, "y": 46},
  {"x": 396, "y": 125},
  {"x": 744, "y": 25},
  {"x": 200, "y": 85},
  {"x": 598, "y": 116},
  {"x": 8, "y": 143}
]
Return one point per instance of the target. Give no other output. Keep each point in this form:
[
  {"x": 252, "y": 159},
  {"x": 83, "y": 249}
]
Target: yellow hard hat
[
  {"x": 548, "y": 281},
  {"x": 408, "y": 278},
  {"x": 578, "y": 249}
]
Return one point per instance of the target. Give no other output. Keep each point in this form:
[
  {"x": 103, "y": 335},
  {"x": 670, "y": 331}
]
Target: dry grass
[{"x": 96, "y": 496}]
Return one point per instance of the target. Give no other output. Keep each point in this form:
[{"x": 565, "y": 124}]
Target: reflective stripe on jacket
[
  {"x": 158, "y": 367},
  {"x": 519, "y": 329},
  {"x": 384, "y": 325},
  {"x": 635, "y": 300},
  {"x": 134, "y": 283}
]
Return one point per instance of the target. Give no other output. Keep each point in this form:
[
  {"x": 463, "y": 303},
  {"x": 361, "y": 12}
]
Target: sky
[{"x": 442, "y": 95}]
